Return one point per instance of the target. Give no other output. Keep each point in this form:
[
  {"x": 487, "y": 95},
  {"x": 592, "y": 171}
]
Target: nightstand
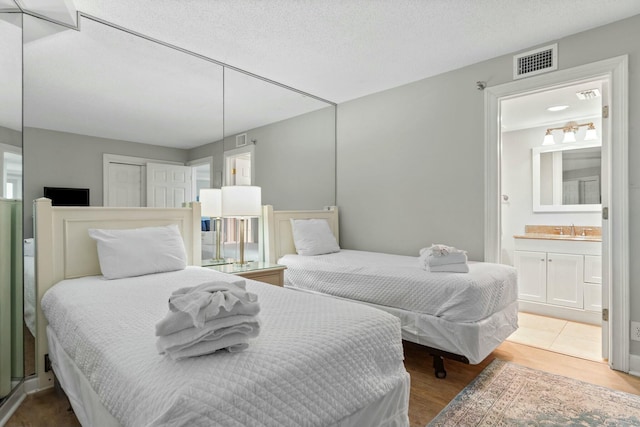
[{"x": 256, "y": 270}]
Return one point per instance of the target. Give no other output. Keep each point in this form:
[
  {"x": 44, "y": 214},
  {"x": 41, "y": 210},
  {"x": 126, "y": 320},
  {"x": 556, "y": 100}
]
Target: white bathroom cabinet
[{"x": 560, "y": 277}]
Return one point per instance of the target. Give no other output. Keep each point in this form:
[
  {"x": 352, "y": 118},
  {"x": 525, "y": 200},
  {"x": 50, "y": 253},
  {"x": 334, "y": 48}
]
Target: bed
[
  {"x": 458, "y": 316},
  {"x": 314, "y": 362}
]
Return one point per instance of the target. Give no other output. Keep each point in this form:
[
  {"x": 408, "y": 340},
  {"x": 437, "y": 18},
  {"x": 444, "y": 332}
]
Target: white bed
[
  {"x": 460, "y": 316},
  {"x": 314, "y": 362}
]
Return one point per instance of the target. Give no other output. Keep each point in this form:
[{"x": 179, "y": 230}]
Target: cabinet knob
[
  {"x": 542, "y": 259},
  {"x": 550, "y": 260}
]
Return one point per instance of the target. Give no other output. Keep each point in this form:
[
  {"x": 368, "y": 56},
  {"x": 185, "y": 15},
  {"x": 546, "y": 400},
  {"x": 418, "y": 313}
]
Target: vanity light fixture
[{"x": 570, "y": 133}]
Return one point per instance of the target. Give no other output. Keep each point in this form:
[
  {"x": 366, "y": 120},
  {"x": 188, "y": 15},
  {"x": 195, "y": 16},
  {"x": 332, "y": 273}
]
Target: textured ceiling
[
  {"x": 341, "y": 50},
  {"x": 103, "y": 82}
]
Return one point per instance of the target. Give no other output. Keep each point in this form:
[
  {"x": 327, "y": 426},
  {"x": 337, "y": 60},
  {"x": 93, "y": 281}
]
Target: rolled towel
[
  {"x": 212, "y": 296},
  {"x": 440, "y": 250},
  {"x": 211, "y": 331}
]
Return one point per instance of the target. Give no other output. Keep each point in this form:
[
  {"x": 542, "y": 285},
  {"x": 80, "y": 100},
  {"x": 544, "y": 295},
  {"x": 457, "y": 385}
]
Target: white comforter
[
  {"x": 315, "y": 361},
  {"x": 400, "y": 282}
]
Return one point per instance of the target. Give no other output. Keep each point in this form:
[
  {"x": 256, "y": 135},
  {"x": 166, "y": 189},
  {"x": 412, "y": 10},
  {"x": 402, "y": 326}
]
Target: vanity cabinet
[
  {"x": 566, "y": 274},
  {"x": 552, "y": 278}
]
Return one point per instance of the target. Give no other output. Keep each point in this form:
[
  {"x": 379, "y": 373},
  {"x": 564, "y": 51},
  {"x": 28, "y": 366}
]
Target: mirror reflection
[
  {"x": 14, "y": 331},
  {"x": 114, "y": 113},
  {"x": 567, "y": 177}
]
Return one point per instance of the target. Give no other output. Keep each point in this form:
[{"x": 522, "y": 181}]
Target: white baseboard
[
  {"x": 11, "y": 404},
  {"x": 573, "y": 314},
  {"x": 634, "y": 365}
]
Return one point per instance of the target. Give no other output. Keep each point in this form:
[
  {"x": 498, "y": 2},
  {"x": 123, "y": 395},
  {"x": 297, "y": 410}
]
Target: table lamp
[
  {"x": 241, "y": 202},
  {"x": 211, "y": 206}
]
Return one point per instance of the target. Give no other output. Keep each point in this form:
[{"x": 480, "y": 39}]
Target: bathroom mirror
[{"x": 567, "y": 178}]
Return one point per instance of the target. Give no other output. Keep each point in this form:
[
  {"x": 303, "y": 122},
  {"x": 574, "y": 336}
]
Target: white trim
[
  {"x": 617, "y": 253},
  {"x": 12, "y": 403},
  {"x": 237, "y": 151},
  {"x": 129, "y": 160},
  {"x": 634, "y": 365},
  {"x": 198, "y": 162}
]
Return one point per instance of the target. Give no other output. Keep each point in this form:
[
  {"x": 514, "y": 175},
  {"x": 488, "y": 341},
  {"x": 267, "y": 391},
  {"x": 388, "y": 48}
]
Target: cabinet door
[
  {"x": 565, "y": 279},
  {"x": 592, "y": 269},
  {"x": 532, "y": 275}
]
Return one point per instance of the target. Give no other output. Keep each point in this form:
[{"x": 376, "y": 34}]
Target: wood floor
[{"x": 429, "y": 395}]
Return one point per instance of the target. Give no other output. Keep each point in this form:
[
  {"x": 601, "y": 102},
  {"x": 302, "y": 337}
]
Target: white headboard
[
  {"x": 277, "y": 235},
  {"x": 64, "y": 249}
]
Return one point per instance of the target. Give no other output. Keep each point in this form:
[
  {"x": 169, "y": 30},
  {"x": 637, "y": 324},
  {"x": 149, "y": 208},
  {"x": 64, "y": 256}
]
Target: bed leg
[{"x": 438, "y": 366}]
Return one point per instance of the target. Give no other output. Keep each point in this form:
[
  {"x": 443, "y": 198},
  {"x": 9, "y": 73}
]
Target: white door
[
  {"x": 565, "y": 277},
  {"x": 243, "y": 171},
  {"x": 532, "y": 275},
  {"x": 125, "y": 185},
  {"x": 168, "y": 186}
]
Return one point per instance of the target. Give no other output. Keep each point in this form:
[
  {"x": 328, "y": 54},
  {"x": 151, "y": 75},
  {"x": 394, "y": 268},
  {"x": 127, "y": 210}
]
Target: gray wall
[
  {"x": 10, "y": 136},
  {"x": 411, "y": 159},
  {"x": 295, "y": 160},
  {"x": 60, "y": 159}
]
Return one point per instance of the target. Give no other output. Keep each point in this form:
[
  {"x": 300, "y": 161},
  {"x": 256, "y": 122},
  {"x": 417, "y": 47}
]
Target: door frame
[
  {"x": 616, "y": 253},
  {"x": 129, "y": 160},
  {"x": 237, "y": 152}
]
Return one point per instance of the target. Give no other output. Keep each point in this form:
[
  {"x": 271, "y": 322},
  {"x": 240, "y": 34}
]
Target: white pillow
[
  {"x": 139, "y": 251},
  {"x": 313, "y": 237}
]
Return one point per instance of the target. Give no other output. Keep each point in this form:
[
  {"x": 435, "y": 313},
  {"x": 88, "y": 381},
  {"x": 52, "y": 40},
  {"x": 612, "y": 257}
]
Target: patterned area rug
[{"x": 506, "y": 394}]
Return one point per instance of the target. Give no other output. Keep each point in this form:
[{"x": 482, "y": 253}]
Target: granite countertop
[{"x": 552, "y": 232}]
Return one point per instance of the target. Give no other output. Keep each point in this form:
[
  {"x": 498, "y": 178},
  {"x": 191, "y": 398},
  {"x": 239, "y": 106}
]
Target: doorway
[
  {"x": 615, "y": 188},
  {"x": 551, "y": 169}
]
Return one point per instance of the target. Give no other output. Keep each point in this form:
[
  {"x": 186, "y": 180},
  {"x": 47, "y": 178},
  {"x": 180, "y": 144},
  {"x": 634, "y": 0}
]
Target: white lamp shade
[
  {"x": 548, "y": 139},
  {"x": 241, "y": 201},
  {"x": 591, "y": 135},
  {"x": 211, "y": 202},
  {"x": 569, "y": 136}
]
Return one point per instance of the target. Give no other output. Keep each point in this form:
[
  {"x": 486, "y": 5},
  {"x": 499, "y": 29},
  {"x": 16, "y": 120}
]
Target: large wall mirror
[
  {"x": 104, "y": 109},
  {"x": 12, "y": 324},
  {"x": 567, "y": 178}
]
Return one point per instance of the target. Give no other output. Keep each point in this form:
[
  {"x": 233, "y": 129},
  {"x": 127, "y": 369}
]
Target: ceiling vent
[
  {"x": 536, "y": 61},
  {"x": 588, "y": 94}
]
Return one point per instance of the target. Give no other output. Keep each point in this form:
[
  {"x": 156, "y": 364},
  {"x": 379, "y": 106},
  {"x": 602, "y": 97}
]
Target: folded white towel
[
  {"x": 211, "y": 331},
  {"x": 209, "y": 298},
  {"x": 233, "y": 343},
  {"x": 450, "y": 268},
  {"x": 453, "y": 258},
  {"x": 440, "y": 250},
  {"x": 176, "y": 321}
]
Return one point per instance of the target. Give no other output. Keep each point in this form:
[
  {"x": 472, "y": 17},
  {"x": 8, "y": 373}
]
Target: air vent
[
  {"x": 241, "y": 140},
  {"x": 588, "y": 94},
  {"x": 536, "y": 61}
]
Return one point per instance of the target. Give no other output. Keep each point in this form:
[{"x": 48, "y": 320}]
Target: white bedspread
[
  {"x": 400, "y": 282},
  {"x": 315, "y": 361}
]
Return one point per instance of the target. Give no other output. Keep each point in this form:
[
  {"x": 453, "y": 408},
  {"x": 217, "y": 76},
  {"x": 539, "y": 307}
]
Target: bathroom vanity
[{"x": 560, "y": 275}]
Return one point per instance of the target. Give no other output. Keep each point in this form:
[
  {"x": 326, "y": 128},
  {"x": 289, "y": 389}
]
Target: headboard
[
  {"x": 64, "y": 249},
  {"x": 277, "y": 235}
]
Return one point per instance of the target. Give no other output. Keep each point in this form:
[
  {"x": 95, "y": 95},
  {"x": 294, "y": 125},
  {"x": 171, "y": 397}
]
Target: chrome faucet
[
  {"x": 560, "y": 230},
  {"x": 573, "y": 230}
]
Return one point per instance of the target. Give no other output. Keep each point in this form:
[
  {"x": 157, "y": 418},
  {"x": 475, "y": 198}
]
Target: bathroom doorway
[{"x": 551, "y": 213}]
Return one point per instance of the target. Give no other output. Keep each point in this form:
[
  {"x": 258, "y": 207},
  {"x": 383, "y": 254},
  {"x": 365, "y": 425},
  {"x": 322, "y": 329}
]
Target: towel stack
[
  {"x": 440, "y": 258},
  {"x": 207, "y": 318}
]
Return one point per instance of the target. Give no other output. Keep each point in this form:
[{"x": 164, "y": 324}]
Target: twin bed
[
  {"x": 458, "y": 316},
  {"x": 316, "y": 361}
]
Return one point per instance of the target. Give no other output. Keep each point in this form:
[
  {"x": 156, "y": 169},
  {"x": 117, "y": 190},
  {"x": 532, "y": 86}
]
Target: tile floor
[{"x": 561, "y": 336}]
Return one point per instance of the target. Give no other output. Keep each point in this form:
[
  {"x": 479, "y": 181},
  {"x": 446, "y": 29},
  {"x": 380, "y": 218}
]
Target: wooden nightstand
[{"x": 257, "y": 270}]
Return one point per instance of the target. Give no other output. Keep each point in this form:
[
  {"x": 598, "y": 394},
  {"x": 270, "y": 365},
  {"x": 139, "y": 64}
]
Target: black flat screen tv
[{"x": 67, "y": 196}]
